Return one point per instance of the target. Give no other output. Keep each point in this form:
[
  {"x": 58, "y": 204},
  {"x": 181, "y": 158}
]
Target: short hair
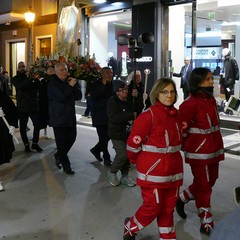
[
  {"x": 104, "y": 69},
  {"x": 58, "y": 64},
  {"x": 158, "y": 86},
  {"x": 196, "y": 77}
]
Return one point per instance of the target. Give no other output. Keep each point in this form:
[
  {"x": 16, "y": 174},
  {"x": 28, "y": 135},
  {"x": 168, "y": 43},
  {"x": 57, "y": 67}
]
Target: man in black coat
[
  {"x": 63, "y": 91},
  {"x": 101, "y": 91},
  {"x": 119, "y": 114},
  {"x": 27, "y": 90}
]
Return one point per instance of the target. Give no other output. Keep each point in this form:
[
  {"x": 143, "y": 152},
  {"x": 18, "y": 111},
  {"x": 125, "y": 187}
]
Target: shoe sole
[{"x": 114, "y": 185}]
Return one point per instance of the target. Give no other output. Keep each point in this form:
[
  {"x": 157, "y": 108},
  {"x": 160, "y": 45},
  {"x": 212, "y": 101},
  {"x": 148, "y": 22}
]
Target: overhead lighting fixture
[{"x": 99, "y": 1}]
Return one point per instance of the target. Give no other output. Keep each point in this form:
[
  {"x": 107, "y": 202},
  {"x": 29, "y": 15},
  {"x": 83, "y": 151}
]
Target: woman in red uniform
[
  {"x": 202, "y": 145},
  {"x": 154, "y": 146}
]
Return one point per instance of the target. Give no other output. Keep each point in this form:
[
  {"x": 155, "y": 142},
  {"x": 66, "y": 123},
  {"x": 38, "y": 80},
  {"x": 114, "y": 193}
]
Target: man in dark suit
[{"x": 185, "y": 75}]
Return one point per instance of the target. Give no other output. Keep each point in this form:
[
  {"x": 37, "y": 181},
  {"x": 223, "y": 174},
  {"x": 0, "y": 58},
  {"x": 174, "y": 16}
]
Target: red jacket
[
  {"x": 203, "y": 142},
  {"x": 154, "y": 145}
]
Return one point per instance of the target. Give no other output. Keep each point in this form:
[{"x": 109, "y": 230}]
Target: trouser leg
[
  {"x": 65, "y": 138},
  {"x": 103, "y": 141},
  {"x": 121, "y": 162},
  {"x": 23, "y": 120}
]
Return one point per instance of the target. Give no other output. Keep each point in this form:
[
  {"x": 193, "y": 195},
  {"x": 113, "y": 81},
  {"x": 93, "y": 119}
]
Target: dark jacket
[
  {"x": 136, "y": 103},
  {"x": 184, "y": 77},
  {"x": 119, "y": 113},
  {"x": 231, "y": 71},
  {"x": 62, "y": 99},
  {"x": 100, "y": 94},
  {"x": 26, "y": 92},
  {"x": 6, "y": 141}
]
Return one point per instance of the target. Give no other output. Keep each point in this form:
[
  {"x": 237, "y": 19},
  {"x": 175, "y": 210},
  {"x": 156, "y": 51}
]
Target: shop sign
[
  {"x": 207, "y": 53},
  {"x": 144, "y": 59}
]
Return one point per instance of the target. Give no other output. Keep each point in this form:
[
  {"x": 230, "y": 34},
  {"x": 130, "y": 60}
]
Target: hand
[
  {"x": 72, "y": 81},
  {"x": 12, "y": 130},
  {"x": 145, "y": 96},
  {"x": 134, "y": 92},
  {"x": 1, "y": 113}
]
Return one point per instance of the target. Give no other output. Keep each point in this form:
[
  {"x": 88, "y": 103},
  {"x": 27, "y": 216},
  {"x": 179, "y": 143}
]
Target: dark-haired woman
[
  {"x": 154, "y": 146},
  {"x": 202, "y": 146}
]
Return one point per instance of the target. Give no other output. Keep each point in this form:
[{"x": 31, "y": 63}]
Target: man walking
[{"x": 63, "y": 91}]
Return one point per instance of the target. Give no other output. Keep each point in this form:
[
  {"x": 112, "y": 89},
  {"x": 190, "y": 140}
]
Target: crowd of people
[{"x": 151, "y": 137}]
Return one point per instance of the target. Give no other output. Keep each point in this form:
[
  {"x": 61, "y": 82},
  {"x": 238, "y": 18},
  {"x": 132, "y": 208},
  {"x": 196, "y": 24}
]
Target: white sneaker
[
  {"x": 112, "y": 178},
  {"x": 1, "y": 187},
  {"x": 126, "y": 180}
]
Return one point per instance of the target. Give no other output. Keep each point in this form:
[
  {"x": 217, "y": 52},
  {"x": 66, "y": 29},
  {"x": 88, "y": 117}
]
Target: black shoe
[
  {"x": 107, "y": 163},
  {"x": 206, "y": 229},
  {"x": 96, "y": 154},
  {"x": 57, "y": 161},
  {"x": 69, "y": 171},
  {"x": 27, "y": 148},
  {"x": 180, "y": 209},
  {"x": 236, "y": 195},
  {"x": 36, "y": 147},
  {"x": 126, "y": 234}
]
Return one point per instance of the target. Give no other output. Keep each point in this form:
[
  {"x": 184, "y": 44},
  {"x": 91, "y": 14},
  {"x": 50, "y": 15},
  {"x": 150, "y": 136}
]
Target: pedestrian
[
  {"x": 88, "y": 110},
  {"x": 136, "y": 93},
  {"x": 119, "y": 114},
  {"x": 101, "y": 91},
  {"x": 202, "y": 146},
  {"x": 230, "y": 73},
  {"x": 9, "y": 112},
  {"x": 185, "y": 75},
  {"x": 3, "y": 81},
  {"x": 154, "y": 146},
  {"x": 63, "y": 91},
  {"x": 27, "y": 89}
]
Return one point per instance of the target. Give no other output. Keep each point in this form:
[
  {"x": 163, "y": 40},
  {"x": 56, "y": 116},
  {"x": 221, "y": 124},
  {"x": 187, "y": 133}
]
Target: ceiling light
[{"x": 99, "y": 1}]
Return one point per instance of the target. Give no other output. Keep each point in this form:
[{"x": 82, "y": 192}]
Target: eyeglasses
[
  {"x": 123, "y": 89},
  {"x": 166, "y": 92}
]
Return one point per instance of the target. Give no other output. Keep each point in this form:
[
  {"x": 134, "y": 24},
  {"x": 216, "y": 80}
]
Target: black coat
[
  {"x": 119, "y": 114},
  {"x": 26, "y": 92},
  {"x": 62, "y": 97},
  {"x": 6, "y": 141},
  {"x": 136, "y": 103},
  {"x": 100, "y": 94}
]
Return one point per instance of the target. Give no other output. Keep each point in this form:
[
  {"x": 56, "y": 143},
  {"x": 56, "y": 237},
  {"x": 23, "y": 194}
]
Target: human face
[
  {"x": 21, "y": 67},
  {"x": 122, "y": 93},
  {"x": 208, "y": 81},
  {"x": 138, "y": 77},
  {"x": 167, "y": 95},
  {"x": 62, "y": 72},
  {"x": 107, "y": 75}
]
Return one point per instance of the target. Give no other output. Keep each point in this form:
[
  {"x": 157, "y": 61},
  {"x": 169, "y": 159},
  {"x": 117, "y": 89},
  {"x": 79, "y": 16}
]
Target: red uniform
[
  {"x": 203, "y": 149},
  {"x": 154, "y": 146}
]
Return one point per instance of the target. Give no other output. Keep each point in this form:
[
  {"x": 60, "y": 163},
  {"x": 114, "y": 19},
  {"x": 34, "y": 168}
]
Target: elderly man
[{"x": 63, "y": 91}]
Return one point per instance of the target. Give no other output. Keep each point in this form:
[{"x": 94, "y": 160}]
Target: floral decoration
[{"x": 80, "y": 67}]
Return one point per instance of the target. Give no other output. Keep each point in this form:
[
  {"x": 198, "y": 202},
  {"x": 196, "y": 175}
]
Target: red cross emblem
[{"x": 137, "y": 139}]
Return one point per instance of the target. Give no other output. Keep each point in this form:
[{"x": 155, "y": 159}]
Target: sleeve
[
  {"x": 141, "y": 129},
  {"x": 187, "y": 112}
]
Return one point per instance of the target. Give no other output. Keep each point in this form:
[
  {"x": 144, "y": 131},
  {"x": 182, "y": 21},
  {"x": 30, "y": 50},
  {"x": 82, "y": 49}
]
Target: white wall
[
  {"x": 99, "y": 39},
  {"x": 176, "y": 43}
]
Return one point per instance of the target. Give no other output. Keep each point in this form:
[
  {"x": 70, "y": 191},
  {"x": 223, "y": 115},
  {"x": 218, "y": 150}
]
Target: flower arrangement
[{"x": 80, "y": 67}]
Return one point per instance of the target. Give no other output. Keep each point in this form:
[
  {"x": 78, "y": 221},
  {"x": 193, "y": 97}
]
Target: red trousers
[
  {"x": 158, "y": 203},
  {"x": 204, "y": 178}
]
